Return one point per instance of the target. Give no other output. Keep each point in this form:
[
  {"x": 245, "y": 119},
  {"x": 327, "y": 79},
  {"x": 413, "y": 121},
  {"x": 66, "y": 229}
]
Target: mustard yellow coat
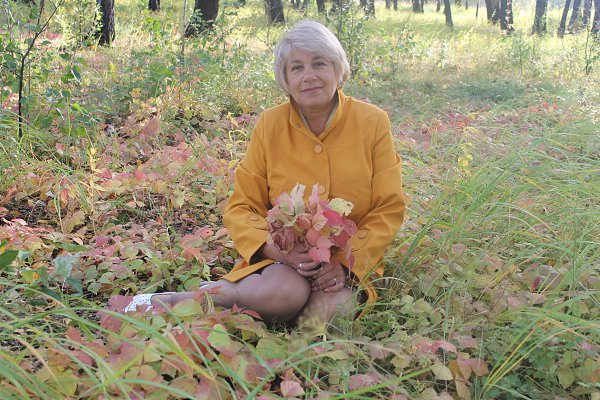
[{"x": 354, "y": 159}]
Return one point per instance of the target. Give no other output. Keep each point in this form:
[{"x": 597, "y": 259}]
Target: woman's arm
[{"x": 378, "y": 227}]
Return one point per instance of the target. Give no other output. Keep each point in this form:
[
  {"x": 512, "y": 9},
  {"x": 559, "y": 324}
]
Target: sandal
[
  {"x": 140, "y": 300},
  {"x": 145, "y": 299}
]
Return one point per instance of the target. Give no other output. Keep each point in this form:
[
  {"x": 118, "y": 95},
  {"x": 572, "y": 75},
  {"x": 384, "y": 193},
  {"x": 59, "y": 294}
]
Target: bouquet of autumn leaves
[{"x": 322, "y": 226}]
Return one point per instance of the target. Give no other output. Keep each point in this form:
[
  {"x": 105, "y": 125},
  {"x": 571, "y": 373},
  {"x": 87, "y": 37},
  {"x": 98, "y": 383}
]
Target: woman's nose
[{"x": 309, "y": 74}]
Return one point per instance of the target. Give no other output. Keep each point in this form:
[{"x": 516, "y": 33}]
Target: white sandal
[
  {"x": 145, "y": 299},
  {"x": 142, "y": 300}
]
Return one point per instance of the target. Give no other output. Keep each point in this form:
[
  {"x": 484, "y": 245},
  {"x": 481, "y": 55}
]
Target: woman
[{"x": 319, "y": 136}]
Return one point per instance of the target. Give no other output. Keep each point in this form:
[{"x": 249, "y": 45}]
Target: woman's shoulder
[
  {"x": 363, "y": 106},
  {"x": 279, "y": 111}
]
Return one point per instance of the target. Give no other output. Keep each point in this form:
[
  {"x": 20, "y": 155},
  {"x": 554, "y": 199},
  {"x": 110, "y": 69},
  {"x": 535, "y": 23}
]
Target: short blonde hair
[{"x": 315, "y": 38}]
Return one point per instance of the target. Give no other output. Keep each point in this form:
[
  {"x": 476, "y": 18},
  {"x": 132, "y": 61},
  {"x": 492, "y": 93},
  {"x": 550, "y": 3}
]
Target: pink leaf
[
  {"x": 478, "y": 366},
  {"x": 291, "y": 388},
  {"x": 361, "y": 381},
  {"x": 319, "y": 255}
]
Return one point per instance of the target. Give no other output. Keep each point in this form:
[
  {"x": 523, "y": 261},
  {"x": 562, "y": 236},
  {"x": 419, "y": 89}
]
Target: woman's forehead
[{"x": 299, "y": 55}]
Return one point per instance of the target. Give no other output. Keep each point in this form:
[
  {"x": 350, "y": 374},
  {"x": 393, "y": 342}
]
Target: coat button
[
  {"x": 298, "y": 126},
  {"x": 321, "y": 189},
  {"x": 362, "y": 234},
  {"x": 318, "y": 148},
  {"x": 254, "y": 218}
]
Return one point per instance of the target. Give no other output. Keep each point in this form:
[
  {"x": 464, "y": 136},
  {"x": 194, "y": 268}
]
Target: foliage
[
  {"x": 118, "y": 184},
  {"x": 322, "y": 226}
]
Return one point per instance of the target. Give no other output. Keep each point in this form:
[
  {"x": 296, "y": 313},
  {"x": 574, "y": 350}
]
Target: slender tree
[
  {"x": 321, "y": 6},
  {"x": 368, "y": 6},
  {"x": 563, "y": 19},
  {"x": 596, "y": 22},
  {"x": 417, "y": 6},
  {"x": 493, "y": 10},
  {"x": 274, "y": 11},
  {"x": 587, "y": 13},
  {"x": 203, "y": 18},
  {"x": 154, "y": 5},
  {"x": 105, "y": 27},
  {"x": 574, "y": 21},
  {"x": 388, "y": 4},
  {"x": 539, "y": 21},
  {"x": 448, "y": 14},
  {"x": 506, "y": 16}
]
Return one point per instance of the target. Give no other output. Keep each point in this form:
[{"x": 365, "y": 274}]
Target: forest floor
[{"x": 126, "y": 159}]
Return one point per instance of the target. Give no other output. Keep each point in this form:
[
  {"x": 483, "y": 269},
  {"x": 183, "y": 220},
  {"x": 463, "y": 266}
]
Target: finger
[
  {"x": 307, "y": 266},
  {"x": 306, "y": 274},
  {"x": 335, "y": 285},
  {"x": 322, "y": 282}
]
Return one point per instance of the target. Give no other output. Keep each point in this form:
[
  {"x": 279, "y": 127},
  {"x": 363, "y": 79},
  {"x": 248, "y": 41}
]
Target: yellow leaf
[
  {"x": 442, "y": 372},
  {"x": 462, "y": 391}
]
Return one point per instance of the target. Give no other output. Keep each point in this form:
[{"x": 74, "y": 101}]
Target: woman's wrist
[{"x": 269, "y": 251}]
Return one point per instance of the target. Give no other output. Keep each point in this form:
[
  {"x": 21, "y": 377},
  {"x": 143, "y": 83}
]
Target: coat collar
[{"x": 297, "y": 122}]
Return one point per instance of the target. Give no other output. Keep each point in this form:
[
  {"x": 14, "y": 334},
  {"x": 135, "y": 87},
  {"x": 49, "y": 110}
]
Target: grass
[{"x": 122, "y": 173}]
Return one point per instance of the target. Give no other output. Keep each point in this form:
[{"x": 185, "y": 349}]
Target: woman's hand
[
  {"x": 331, "y": 277},
  {"x": 298, "y": 258}
]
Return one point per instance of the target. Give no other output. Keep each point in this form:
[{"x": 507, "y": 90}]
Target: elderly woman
[{"x": 319, "y": 136}]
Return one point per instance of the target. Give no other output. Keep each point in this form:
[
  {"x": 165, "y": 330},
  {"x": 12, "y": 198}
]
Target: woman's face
[{"x": 311, "y": 80}]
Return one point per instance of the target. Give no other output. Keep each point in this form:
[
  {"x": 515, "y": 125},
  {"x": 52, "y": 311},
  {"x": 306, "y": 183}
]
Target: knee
[{"x": 285, "y": 296}]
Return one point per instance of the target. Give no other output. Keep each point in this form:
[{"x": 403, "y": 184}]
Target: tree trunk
[
  {"x": 539, "y": 21},
  {"x": 154, "y": 5},
  {"x": 417, "y": 6},
  {"x": 368, "y": 6},
  {"x": 493, "y": 10},
  {"x": 506, "y": 18},
  {"x": 438, "y": 5},
  {"x": 321, "y": 6},
  {"x": 274, "y": 10},
  {"x": 574, "y": 21},
  {"x": 563, "y": 19},
  {"x": 105, "y": 27},
  {"x": 203, "y": 19},
  {"x": 596, "y": 22},
  {"x": 510, "y": 22},
  {"x": 388, "y": 4},
  {"x": 448, "y": 14},
  {"x": 587, "y": 13}
]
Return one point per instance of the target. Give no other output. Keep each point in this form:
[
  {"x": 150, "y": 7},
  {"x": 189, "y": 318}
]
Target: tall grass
[{"x": 497, "y": 260}]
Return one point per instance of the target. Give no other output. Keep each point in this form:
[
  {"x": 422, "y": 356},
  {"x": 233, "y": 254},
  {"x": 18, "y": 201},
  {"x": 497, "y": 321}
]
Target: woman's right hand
[{"x": 298, "y": 258}]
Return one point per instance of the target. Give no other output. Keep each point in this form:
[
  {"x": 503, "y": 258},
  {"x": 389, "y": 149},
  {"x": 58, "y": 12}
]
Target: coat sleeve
[
  {"x": 378, "y": 227},
  {"x": 246, "y": 209}
]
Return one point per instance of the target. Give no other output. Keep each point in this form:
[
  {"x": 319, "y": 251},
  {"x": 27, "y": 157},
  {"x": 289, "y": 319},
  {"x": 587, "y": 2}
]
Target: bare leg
[
  {"x": 324, "y": 306},
  {"x": 277, "y": 294}
]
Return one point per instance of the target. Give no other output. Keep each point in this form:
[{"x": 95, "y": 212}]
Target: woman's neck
[{"x": 317, "y": 118}]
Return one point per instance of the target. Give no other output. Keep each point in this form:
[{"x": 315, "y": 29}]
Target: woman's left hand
[{"x": 331, "y": 277}]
